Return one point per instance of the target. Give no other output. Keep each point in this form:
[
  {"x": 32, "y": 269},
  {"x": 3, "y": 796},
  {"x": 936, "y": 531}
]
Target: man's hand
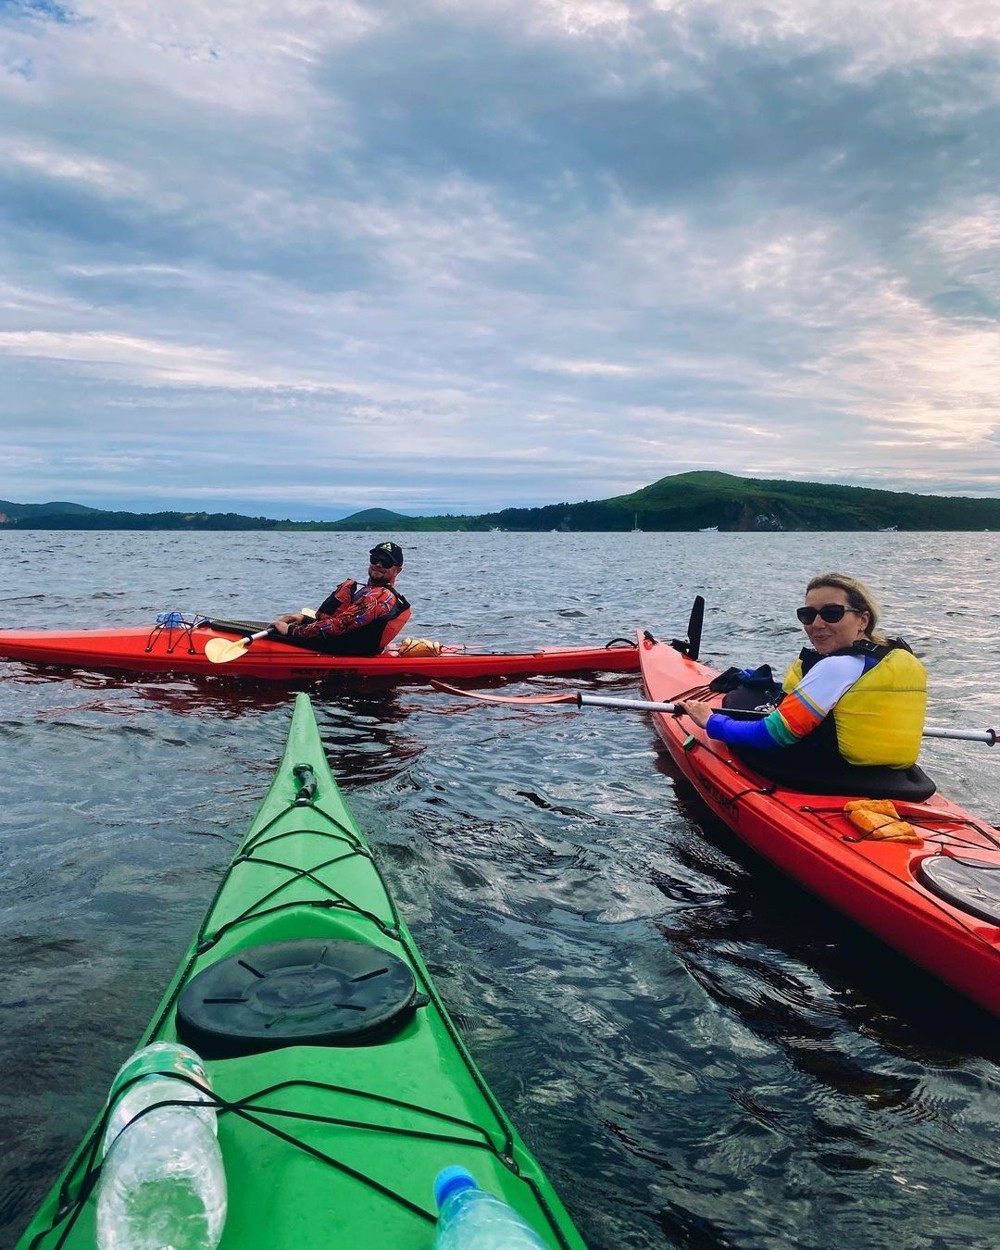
[{"x": 280, "y": 626}]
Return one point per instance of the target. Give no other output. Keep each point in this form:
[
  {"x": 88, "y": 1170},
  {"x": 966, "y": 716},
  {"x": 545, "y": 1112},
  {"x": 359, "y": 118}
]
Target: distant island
[{"x": 683, "y": 502}]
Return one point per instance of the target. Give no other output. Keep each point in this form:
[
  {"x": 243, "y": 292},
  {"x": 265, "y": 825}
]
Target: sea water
[{"x": 698, "y": 1052}]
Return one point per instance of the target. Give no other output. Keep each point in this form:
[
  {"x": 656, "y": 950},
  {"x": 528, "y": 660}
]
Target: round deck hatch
[{"x": 301, "y": 993}]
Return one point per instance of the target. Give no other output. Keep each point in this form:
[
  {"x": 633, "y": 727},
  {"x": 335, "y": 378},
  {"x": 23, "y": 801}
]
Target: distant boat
[
  {"x": 709, "y": 529},
  {"x": 888, "y": 529},
  {"x": 635, "y": 525}
]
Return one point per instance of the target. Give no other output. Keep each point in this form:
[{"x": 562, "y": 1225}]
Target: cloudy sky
[{"x": 302, "y": 257}]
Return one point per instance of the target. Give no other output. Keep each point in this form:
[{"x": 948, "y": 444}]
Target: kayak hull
[
  {"x": 181, "y": 651},
  {"x": 878, "y": 884},
  {"x": 336, "y": 1142}
]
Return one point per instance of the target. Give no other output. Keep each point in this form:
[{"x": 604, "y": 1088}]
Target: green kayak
[{"x": 344, "y": 1087}]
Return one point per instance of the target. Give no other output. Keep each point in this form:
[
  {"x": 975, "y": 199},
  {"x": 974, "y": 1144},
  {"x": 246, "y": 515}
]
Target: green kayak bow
[{"x": 343, "y": 1085}]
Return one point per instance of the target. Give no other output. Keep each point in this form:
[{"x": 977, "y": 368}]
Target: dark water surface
[{"x": 699, "y": 1053}]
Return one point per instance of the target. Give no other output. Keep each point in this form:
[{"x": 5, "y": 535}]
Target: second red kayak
[
  {"x": 936, "y": 898},
  {"x": 171, "y": 648}
]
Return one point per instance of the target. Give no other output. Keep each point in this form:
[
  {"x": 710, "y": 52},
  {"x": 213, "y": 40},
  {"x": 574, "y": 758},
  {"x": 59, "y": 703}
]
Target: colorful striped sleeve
[{"x": 800, "y": 712}]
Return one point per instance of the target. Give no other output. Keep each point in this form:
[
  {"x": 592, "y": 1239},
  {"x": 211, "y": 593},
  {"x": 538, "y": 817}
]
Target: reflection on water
[
  {"x": 178, "y": 695},
  {"x": 360, "y": 726},
  {"x": 700, "y": 1054},
  {"x": 366, "y": 735}
]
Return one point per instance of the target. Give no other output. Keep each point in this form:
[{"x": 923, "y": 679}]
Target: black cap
[{"x": 393, "y": 550}]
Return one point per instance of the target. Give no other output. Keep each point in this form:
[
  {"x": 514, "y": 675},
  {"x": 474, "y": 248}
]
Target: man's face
[{"x": 382, "y": 572}]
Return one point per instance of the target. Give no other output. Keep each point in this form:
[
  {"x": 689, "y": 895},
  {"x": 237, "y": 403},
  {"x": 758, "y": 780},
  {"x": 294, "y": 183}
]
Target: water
[{"x": 700, "y": 1054}]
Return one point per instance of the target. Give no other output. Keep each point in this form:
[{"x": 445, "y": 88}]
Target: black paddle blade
[
  {"x": 695, "y": 622},
  {"x": 691, "y": 646}
]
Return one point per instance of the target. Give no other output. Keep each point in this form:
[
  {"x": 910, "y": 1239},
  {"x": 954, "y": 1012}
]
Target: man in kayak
[
  {"x": 355, "y": 618},
  {"x": 853, "y": 698}
]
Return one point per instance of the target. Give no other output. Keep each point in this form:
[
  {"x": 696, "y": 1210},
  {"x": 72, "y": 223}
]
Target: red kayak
[
  {"x": 935, "y": 899},
  {"x": 180, "y": 649}
]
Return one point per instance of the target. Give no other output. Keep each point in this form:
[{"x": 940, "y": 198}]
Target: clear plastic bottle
[
  {"x": 471, "y": 1219},
  {"x": 162, "y": 1183}
]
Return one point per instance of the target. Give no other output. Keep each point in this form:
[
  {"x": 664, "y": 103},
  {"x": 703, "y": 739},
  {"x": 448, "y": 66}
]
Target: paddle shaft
[
  {"x": 989, "y": 736},
  {"x": 633, "y": 705}
]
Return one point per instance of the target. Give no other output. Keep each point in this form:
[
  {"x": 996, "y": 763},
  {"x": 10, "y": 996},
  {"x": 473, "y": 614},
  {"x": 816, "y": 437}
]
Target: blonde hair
[{"x": 858, "y": 595}]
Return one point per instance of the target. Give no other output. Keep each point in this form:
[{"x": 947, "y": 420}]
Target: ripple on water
[{"x": 700, "y": 1054}]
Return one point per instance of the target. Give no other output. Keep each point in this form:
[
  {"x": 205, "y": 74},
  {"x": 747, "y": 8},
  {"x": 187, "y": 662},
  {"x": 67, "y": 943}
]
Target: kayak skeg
[
  {"x": 178, "y": 646},
  {"x": 343, "y": 1086},
  {"x": 934, "y": 897}
]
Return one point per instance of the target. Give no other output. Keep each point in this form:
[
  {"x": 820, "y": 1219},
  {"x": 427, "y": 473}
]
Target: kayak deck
[
  {"x": 938, "y": 902},
  {"x": 335, "y": 1134},
  {"x": 170, "y": 649}
]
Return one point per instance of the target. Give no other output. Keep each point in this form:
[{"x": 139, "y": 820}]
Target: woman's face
[{"x": 829, "y": 636}]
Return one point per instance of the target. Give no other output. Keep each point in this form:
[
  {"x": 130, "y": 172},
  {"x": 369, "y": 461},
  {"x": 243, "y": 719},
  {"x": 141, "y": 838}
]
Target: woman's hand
[{"x": 699, "y": 712}]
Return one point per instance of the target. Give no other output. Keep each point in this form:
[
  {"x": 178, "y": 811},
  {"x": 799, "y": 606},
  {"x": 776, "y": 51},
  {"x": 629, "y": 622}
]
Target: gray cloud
[{"x": 445, "y": 259}]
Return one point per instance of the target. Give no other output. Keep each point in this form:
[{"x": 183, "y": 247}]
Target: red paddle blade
[{"x": 566, "y": 697}]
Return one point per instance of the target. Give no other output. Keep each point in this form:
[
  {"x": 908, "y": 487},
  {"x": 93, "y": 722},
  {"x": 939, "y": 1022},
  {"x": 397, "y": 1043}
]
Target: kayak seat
[
  {"x": 909, "y": 785},
  {"x": 970, "y": 885},
  {"x": 310, "y": 992}
]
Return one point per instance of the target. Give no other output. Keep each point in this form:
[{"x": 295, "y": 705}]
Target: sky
[{"x": 297, "y": 258}]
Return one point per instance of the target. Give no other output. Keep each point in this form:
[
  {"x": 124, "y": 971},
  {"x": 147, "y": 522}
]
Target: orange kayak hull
[
  {"x": 181, "y": 651},
  {"x": 878, "y": 884}
]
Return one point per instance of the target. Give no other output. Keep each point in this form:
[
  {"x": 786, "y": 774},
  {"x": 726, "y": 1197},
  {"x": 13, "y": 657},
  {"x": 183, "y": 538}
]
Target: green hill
[
  {"x": 683, "y": 502},
  {"x": 18, "y": 511},
  {"x": 73, "y": 516},
  {"x": 709, "y": 500},
  {"x": 369, "y": 519}
]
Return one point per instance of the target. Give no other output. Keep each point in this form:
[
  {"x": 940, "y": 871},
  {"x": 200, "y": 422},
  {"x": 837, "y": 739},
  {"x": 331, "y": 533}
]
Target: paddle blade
[
  {"x": 691, "y": 645},
  {"x": 695, "y": 622},
  {"x": 222, "y": 650},
  {"x": 566, "y": 697}
]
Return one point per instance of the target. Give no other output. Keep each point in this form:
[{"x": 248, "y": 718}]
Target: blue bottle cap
[{"x": 452, "y": 1181}]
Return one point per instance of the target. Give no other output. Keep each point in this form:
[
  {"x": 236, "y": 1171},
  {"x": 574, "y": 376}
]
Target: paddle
[
  {"x": 989, "y": 736},
  {"x": 222, "y": 650},
  {"x": 696, "y": 620}
]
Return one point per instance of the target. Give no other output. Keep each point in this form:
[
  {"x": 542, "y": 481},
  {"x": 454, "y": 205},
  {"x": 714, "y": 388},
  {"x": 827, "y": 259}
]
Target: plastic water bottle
[
  {"x": 172, "y": 620},
  {"x": 162, "y": 1183},
  {"x": 471, "y": 1219}
]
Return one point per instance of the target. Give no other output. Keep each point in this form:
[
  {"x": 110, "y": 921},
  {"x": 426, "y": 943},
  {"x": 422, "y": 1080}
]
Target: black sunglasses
[
  {"x": 830, "y": 612},
  {"x": 383, "y": 562}
]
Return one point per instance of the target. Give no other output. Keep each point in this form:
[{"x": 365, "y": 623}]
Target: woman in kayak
[
  {"x": 853, "y": 697},
  {"x": 355, "y": 618}
]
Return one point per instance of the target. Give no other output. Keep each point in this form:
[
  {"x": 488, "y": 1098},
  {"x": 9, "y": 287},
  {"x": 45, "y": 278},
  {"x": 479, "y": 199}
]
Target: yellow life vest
[{"x": 880, "y": 719}]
